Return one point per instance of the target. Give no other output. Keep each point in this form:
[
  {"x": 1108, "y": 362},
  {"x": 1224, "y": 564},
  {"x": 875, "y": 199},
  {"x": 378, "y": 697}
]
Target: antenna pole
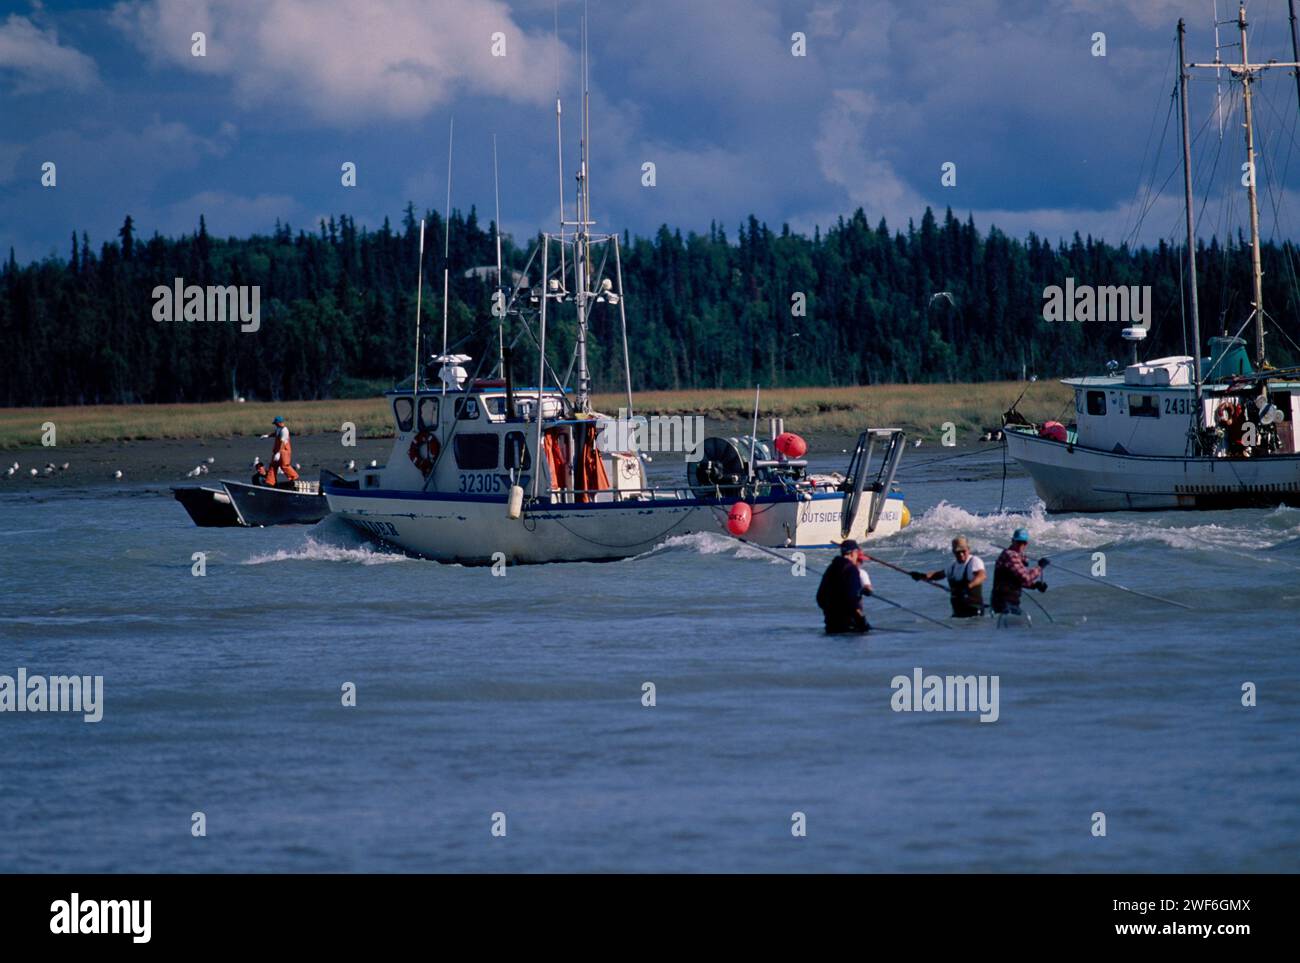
[
  {"x": 581, "y": 252},
  {"x": 419, "y": 289},
  {"x": 1189, "y": 205},
  {"x": 1247, "y": 80},
  {"x": 1295, "y": 46},
  {"x": 446, "y": 251},
  {"x": 541, "y": 363},
  {"x": 501, "y": 293}
]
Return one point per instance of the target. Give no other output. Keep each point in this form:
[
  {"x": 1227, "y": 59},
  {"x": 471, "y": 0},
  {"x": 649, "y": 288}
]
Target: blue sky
[{"x": 1045, "y": 135}]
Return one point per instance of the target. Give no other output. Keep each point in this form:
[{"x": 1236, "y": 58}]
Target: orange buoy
[
  {"x": 791, "y": 445},
  {"x": 738, "y": 518}
]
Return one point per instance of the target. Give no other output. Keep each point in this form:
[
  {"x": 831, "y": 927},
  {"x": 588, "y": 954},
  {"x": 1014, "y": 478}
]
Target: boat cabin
[
  {"x": 477, "y": 438},
  {"x": 1151, "y": 409}
]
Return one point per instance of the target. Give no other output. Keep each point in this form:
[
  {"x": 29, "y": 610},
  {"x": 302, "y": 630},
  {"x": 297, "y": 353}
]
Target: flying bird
[{"x": 943, "y": 294}]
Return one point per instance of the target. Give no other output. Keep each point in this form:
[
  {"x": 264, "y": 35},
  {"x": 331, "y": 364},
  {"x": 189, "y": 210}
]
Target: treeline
[{"x": 855, "y": 305}]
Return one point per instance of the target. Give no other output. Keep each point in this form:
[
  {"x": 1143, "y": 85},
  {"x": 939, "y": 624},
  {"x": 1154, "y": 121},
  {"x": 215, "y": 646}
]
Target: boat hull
[
  {"x": 1069, "y": 478},
  {"x": 208, "y": 506},
  {"x": 230, "y": 504},
  {"x": 477, "y": 531},
  {"x": 265, "y": 505}
]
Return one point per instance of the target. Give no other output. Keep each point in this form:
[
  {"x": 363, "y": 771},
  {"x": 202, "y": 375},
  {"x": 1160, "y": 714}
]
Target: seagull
[
  {"x": 17, "y": 466},
  {"x": 49, "y": 469},
  {"x": 211, "y": 460},
  {"x": 918, "y": 443},
  {"x": 193, "y": 473},
  {"x": 987, "y": 436},
  {"x": 118, "y": 473},
  {"x": 943, "y": 294},
  {"x": 352, "y": 465},
  {"x": 9, "y": 472},
  {"x": 373, "y": 463},
  {"x": 33, "y": 471},
  {"x": 64, "y": 466},
  {"x": 297, "y": 466},
  {"x": 49, "y": 466},
  {"x": 256, "y": 462}
]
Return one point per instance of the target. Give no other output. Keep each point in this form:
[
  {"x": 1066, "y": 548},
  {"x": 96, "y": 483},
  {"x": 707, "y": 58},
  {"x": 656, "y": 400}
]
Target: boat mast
[
  {"x": 1245, "y": 72},
  {"x": 1247, "y": 79},
  {"x": 582, "y": 237},
  {"x": 1295, "y": 46},
  {"x": 1188, "y": 203},
  {"x": 500, "y": 298},
  {"x": 446, "y": 252}
]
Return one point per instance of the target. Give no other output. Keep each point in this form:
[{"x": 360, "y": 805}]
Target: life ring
[
  {"x": 424, "y": 451},
  {"x": 1227, "y": 412}
]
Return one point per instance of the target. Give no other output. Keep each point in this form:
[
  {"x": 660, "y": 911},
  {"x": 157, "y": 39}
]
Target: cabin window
[
  {"x": 428, "y": 413},
  {"x": 404, "y": 412},
  {"x": 466, "y": 409},
  {"x": 1096, "y": 403},
  {"x": 476, "y": 452},
  {"x": 495, "y": 405},
  {"x": 1143, "y": 406},
  {"x": 517, "y": 456}
]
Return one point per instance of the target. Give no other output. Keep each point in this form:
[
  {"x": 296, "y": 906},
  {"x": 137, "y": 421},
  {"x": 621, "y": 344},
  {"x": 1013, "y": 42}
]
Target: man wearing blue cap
[
  {"x": 1012, "y": 575},
  {"x": 840, "y": 594},
  {"x": 281, "y": 453}
]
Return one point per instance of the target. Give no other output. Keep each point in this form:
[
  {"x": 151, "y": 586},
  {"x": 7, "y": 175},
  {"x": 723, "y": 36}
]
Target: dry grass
[
  {"x": 21, "y": 427},
  {"x": 921, "y": 409}
]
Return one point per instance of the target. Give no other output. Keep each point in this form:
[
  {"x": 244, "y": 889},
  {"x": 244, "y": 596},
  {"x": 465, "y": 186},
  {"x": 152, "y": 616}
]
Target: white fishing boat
[
  {"x": 482, "y": 471},
  {"x": 1177, "y": 432}
]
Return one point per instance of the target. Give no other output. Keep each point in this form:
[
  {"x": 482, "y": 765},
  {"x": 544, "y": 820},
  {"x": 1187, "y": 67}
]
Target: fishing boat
[
  {"x": 229, "y": 504},
  {"x": 483, "y": 470},
  {"x": 1180, "y": 432}
]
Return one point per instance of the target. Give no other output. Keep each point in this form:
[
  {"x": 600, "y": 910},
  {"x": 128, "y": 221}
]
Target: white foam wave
[{"x": 934, "y": 529}]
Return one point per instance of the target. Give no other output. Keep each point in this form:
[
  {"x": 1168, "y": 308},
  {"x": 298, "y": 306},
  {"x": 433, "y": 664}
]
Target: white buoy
[{"x": 515, "y": 507}]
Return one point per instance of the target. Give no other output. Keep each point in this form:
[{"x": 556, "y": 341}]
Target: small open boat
[{"x": 231, "y": 504}]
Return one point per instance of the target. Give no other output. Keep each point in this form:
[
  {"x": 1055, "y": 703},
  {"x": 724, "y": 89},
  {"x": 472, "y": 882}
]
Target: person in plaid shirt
[{"x": 1012, "y": 575}]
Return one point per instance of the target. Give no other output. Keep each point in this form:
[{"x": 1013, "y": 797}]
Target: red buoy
[
  {"x": 738, "y": 518},
  {"x": 1053, "y": 430},
  {"x": 791, "y": 445}
]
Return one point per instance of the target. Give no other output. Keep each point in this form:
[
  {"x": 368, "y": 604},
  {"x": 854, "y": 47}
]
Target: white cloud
[
  {"x": 345, "y": 62},
  {"x": 39, "y": 61}
]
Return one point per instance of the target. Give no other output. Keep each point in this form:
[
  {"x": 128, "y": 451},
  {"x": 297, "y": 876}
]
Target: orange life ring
[
  {"x": 1227, "y": 413},
  {"x": 424, "y": 451}
]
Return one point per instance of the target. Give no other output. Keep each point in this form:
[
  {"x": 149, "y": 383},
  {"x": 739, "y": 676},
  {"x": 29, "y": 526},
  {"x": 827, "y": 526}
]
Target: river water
[{"x": 522, "y": 695}]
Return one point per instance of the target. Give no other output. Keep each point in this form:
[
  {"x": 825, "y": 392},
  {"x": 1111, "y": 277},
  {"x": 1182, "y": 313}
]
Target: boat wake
[
  {"x": 332, "y": 540},
  {"x": 988, "y": 533}
]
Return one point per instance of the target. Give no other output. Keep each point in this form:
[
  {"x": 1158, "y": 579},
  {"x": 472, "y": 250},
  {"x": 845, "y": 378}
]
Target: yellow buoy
[{"x": 907, "y": 518}]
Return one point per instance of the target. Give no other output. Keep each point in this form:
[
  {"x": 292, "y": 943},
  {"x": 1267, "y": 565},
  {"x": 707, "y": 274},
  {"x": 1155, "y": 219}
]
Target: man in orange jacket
[{"x": 281, "y": 454}]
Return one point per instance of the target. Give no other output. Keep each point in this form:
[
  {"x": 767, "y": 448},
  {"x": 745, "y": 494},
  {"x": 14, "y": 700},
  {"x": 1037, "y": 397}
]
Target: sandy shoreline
[{"x": 166, "y": 461}]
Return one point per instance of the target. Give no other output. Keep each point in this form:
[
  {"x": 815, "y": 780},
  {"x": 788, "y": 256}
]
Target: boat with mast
[
  {"x": 1180, "y": 432},
  {"x": 484, "y": 470}
]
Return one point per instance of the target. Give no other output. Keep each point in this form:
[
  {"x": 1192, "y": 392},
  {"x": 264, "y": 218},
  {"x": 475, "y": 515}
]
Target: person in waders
[
  {"x": 281, "y": 454},
  {"x": 840, "y": 593},
  {"x": 966, "y": 577},
  {"x": 1012, "y": 575}
]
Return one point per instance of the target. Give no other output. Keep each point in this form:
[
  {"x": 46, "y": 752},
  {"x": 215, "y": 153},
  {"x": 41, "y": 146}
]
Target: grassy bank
[{"x": 921, "y": 409}]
